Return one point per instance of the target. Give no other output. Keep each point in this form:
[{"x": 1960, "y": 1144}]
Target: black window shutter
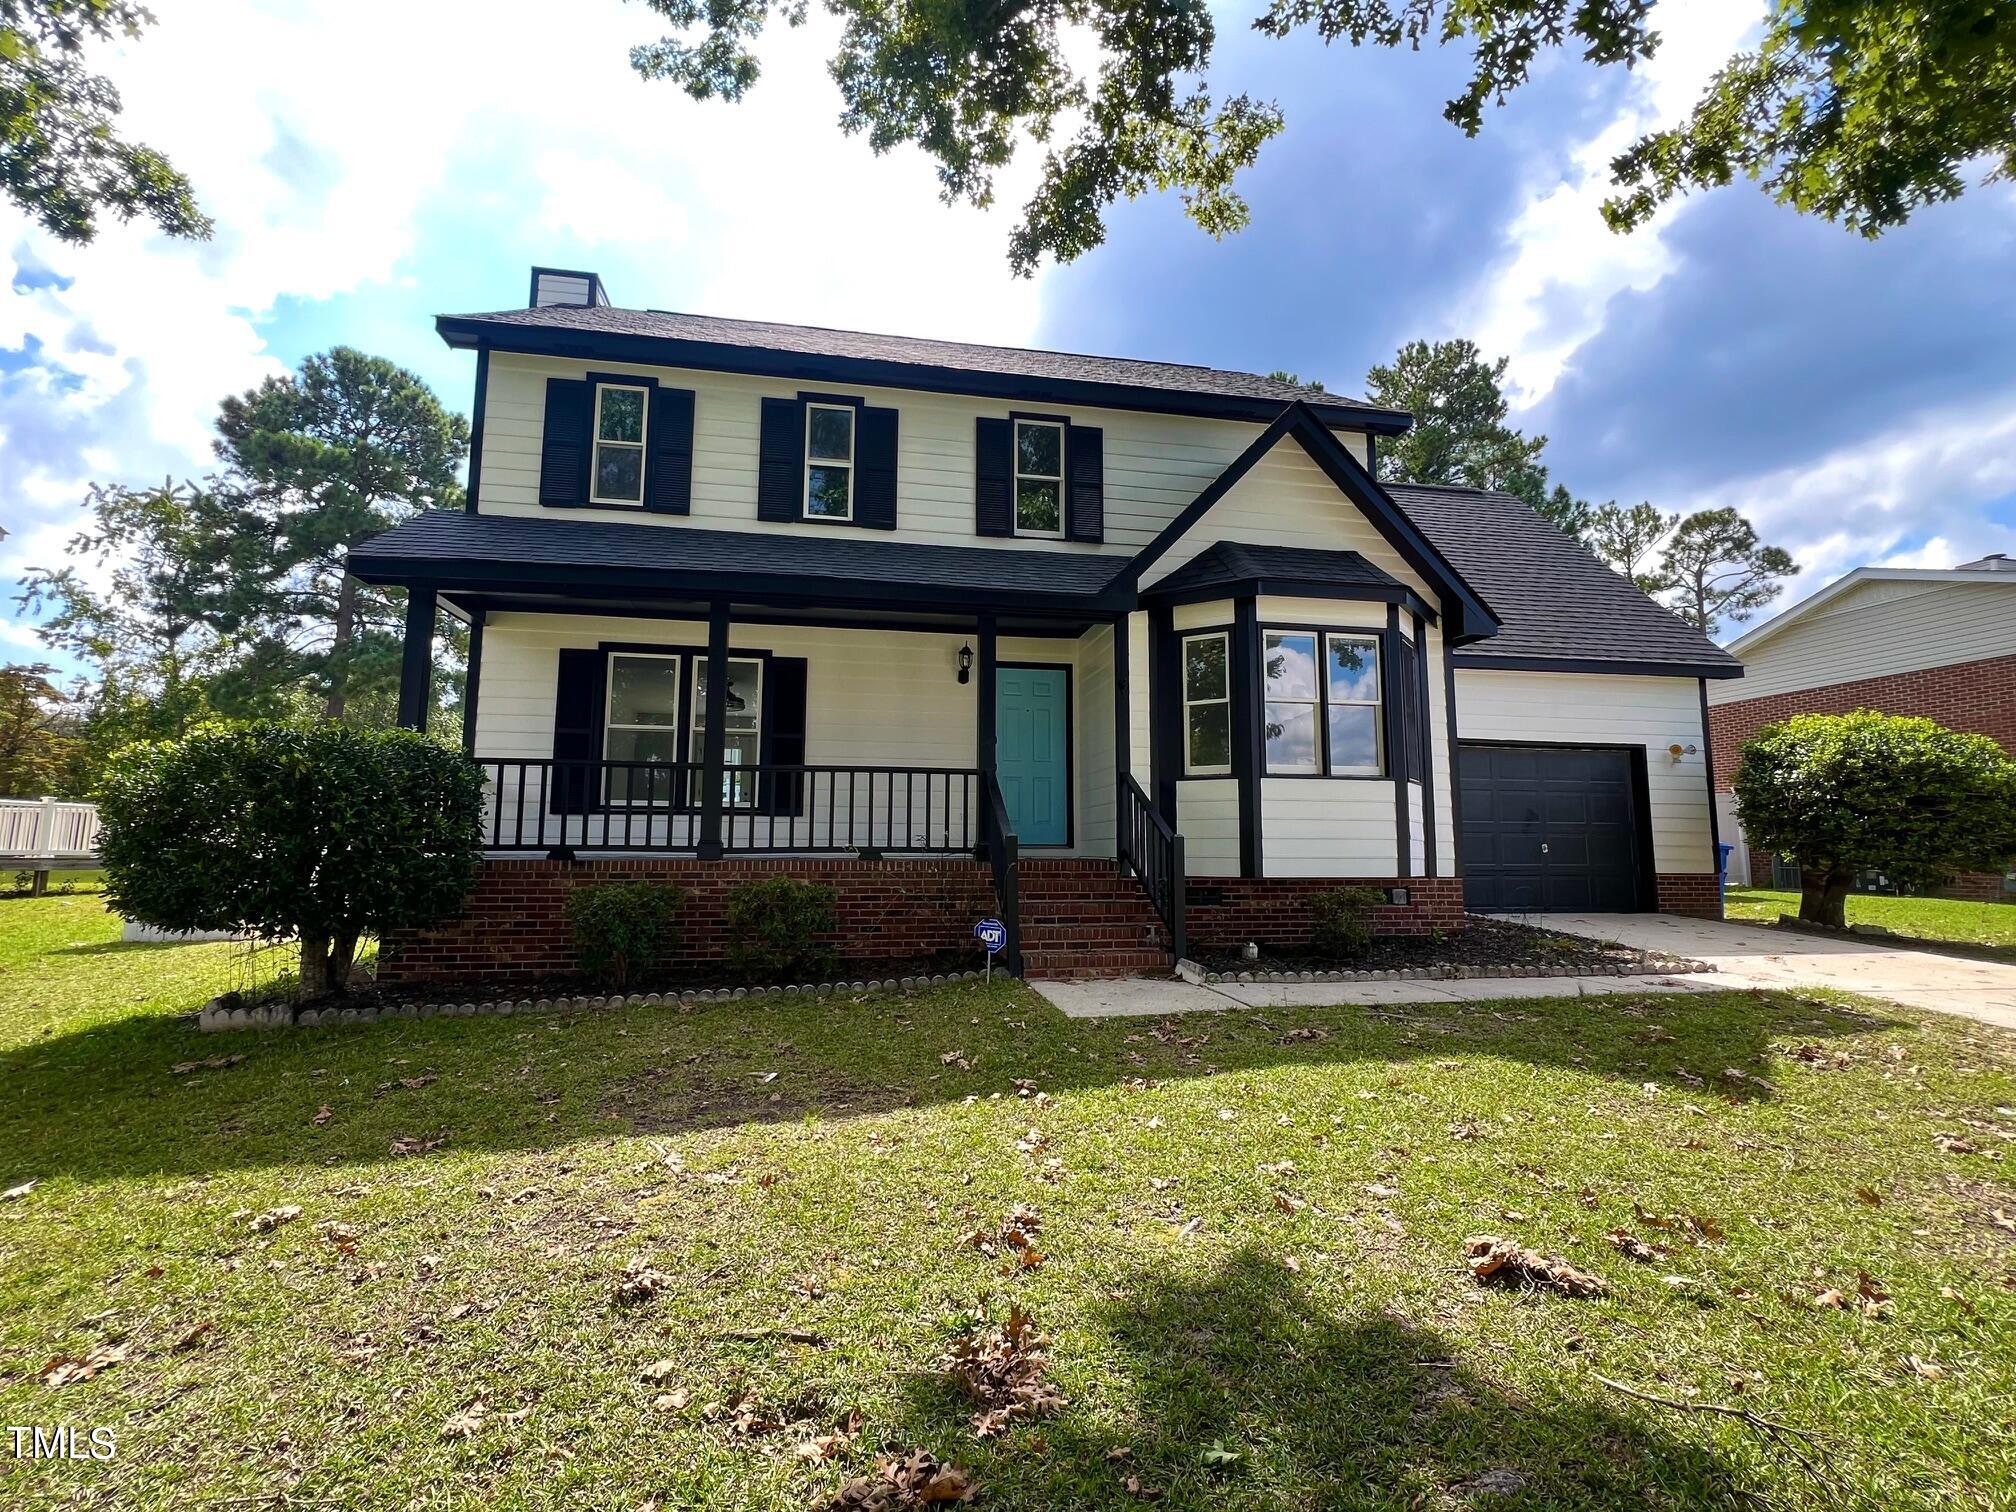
[
  {"x": 565, "y": 450},
  {"x": 784, "y": 731},
  {"x": 577, "y": 731},
  {"x": 1085, "y": 451},
  {"x": 994, "y": 478},
  {"x": 875, "y": 469},
  {"x": 780, "y": 461},
  {"x": 669, "y": 488}
]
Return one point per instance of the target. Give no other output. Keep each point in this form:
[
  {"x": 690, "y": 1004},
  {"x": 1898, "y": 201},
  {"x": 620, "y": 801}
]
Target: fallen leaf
[
  {"x": 193, "y": 1337},
  {"x": 272, "y": 1218},
  {"x": 1506, "y": 1262},
  {"x": 640, "y": 1281},
  {"x": 658, "y": 1370},
  {"x": 214, "y": 1063},
  {"x": 322, "y": 1115},
  {"x": 1927, "y": 1369},
  {"x": 465, "y": 1424},
  {"x": 1868, "y": 1196},
  {"x": 62, "y": 1370},
  {"x": 411, "y": 1146}
]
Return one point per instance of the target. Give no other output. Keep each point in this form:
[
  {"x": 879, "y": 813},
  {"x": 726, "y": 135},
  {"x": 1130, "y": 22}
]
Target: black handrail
[
  {"x": 551, "y": 805},
  {"x": 1004, "y": 852},
  {"x": 1150, "y": 844}
]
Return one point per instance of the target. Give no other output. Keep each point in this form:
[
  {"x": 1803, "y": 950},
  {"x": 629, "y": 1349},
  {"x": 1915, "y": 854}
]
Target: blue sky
[{"x": 370, "y": 165}]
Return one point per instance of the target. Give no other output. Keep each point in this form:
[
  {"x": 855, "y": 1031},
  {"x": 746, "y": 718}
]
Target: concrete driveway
[{"x": 1748, "y": 955}]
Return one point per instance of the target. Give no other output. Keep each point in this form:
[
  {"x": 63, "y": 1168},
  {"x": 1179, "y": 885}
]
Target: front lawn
[
  {"x": 1953, "y": 919},
  {"x": 1246, "y": 1246}
]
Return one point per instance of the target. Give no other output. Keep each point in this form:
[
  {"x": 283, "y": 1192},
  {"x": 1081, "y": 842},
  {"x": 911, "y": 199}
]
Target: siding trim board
[
  {"x": 1489, "y": 663},
  {"x": 476, "y": 409},
  {"x": 1249, "y": 735}
]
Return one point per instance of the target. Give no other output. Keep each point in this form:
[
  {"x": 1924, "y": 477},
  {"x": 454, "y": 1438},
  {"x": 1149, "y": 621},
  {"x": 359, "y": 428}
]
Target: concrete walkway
[{"x": 1744, "y": 955}]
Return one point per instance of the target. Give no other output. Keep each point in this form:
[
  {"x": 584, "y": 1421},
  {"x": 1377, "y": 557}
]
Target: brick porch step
[
  {"x": 1084, "y": 919},
  {"x": 1089, "y": 965}
]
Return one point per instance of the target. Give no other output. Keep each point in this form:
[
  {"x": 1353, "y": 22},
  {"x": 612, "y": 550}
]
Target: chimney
[
  {"x": 566, "y": 286},
  {"x": 1999, "y": 561}
]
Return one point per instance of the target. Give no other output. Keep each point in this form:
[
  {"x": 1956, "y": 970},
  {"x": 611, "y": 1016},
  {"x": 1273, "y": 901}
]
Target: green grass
[
  {"x": 1992, "y": 924},
  {"x": 1371, "y": 1372}
]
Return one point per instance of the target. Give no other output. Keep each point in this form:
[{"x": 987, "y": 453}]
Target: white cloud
[{"x": 1564, "y": 264}]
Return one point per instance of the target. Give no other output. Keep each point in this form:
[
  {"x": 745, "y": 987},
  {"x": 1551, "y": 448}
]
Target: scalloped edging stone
[
  {"x": 216, "y": 1015},
  {"x": 1190, "y": 971}
]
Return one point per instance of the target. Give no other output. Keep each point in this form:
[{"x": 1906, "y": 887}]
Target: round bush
[{"x": 323, "y": 833}]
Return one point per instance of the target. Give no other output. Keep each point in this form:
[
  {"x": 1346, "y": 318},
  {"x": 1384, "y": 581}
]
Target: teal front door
[{"x": 1033, "y": 737}]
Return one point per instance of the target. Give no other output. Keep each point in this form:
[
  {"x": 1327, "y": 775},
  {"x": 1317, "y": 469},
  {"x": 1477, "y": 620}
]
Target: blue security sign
[{"x": 993, "y": 934}]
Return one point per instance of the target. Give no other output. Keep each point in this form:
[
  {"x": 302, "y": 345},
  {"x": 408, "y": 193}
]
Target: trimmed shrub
[
  {"x": 623, "y": 929},
  {"x": 325, "y": 833},
  {"x": 1340, "y": 921},
  {"x": 777, "y": 929}
]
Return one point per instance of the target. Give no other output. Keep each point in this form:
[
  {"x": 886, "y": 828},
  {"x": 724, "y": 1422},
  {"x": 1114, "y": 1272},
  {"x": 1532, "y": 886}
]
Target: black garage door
[{"x": 1549, "y": 829}]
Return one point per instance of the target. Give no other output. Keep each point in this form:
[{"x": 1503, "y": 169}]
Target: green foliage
[
  {"x": 1716, "y": 568},
  {"x": 1626, "y": 539},
  {"x": 1282, "y": 375},
  {"x": 623, "y": 929},
  {"x": 1847, "y": 793},
  {"x": 60, "y": 158},
  {"x": 322, "y": 831},
  {"x": 41, "y": 753},
  {"x": 1858, "y": 110},
  {"x": 1340, "y": 921},
  {"x": 779, "y": 929}
]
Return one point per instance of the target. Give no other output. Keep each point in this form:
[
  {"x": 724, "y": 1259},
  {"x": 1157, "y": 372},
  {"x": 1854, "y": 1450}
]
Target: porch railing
[
  {"x": 1150, "y": 844},
  {"x": 1004, "y": 852},
  {"x": 48, "y": 828},
  {"x": 544, "y": 804}
]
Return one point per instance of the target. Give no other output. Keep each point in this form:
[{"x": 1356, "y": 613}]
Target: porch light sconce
[{"x": 965, "y": 663}]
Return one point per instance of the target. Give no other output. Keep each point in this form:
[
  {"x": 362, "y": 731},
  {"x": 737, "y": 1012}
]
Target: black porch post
[
  {"x": 984, "y": 751},
  {"x": 416, "y": 663},
  {"x": 1249, "y": 739},
  {"x": 714, "y": 758}
]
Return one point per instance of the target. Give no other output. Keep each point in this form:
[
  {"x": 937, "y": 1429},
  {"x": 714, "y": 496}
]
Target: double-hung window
[
  {"x": 1207, "y": 705},
  {"x": 641, "y": 724},
  {"x": 742, "y": 742},
  {"x": 1293, "y": 704},
  {"x": 1039, "y": 479},
  {"x": 1351, "y": 674},
  {"x": 829, "y": 462},
  {"x": 620, "y": 417}
]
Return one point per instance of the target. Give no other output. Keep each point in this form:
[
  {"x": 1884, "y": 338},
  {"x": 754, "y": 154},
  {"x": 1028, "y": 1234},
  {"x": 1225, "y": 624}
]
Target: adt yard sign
[{"x": 994, "y": 935}]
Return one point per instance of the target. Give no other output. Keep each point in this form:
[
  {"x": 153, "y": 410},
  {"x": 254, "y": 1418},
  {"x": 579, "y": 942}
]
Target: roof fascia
[{"x": 1591, "y": 665}]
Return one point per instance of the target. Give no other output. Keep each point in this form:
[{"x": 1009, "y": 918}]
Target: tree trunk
[
  {"x": 314, "y": 966},
  {"x": 1823, "y": 895},
  {"x": 339, "y": 647},
  {"x": 342, "y": 956}
]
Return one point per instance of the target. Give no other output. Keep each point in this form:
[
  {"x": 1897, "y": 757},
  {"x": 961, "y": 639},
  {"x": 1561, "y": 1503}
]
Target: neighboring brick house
[{"x": 1940, "y": 644}]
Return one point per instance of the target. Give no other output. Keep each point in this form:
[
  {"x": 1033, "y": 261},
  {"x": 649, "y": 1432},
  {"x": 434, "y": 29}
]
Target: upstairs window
[
  {"x": 1207, "y": 705},
  {"x": 1039, "y": 479},
  {"x": 829, "y": 462},
  {"x": 1352, "y": 677},
  {"x": 619, "y": 444}
]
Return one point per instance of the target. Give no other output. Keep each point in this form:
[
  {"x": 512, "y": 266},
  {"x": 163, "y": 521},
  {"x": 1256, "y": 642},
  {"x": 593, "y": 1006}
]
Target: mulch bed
[{"x": 1487, "y": 942}]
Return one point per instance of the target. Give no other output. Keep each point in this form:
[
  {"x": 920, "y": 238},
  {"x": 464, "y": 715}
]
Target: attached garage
[{"x": 1554, "y": 829}]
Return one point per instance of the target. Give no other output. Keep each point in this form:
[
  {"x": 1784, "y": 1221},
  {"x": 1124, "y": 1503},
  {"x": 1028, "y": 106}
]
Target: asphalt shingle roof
[
  {"x": 818, "y": 341},
  {"x": 1228, "y": 562},
  {"x": 842, "y": 558},
  {"x": 1554, "y": 598}
]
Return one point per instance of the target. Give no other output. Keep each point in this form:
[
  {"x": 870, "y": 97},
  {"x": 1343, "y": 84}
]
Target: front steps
[{"x": 1084, "y": 919}]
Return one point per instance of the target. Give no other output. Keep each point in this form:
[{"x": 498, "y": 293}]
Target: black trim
[
  {"x": 1708, "y": 761},
  {"x": 986, "y": 712},
  {"x": 1427, "y": 746},
  {"x": 1070, "y": 745},
  {"x": 1591, "y": 664},
  {"x": 463, "y": 331},
  {"x": 1641, "y": 800},
  {"x": 1165, "y": 710},
  {"x": 714, "y": 747},
  {"x": 416, "y": 659},
  {"x": 477, "y": 409},
  {"x": 1470, "y": 618},
  {"x": 1262, "y": 587},
  {"x": 1249, "y": 737},
  {"x": 1394, "y": 730},
  {"x": 1455, "y": 777},
  {"x": 472, "y": 683},
  {"x": 950, "y": 625}
]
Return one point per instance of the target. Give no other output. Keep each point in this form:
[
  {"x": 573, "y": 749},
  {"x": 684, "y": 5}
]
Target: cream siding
[
  {"x": 1326, "y": 827},
  {"x": 1877, "y": 629},
  {"x": 1154, "y": 464},
  {"x": 1092, "y": 725},
  {"x": 1207, "y": 816},
  {"x": 1558, "y": 708}
]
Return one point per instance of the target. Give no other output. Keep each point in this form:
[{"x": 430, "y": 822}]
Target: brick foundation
[
  {"x": 515, "y": 923},
  {"x": 1228, "y": 911},
  {"x": 1695, "y": 894}
]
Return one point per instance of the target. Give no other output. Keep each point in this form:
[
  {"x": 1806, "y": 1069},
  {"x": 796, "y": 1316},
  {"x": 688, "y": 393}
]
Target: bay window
[
  {"x": 1207, "y": 705},
  {"x": 1352, "y": 693}
]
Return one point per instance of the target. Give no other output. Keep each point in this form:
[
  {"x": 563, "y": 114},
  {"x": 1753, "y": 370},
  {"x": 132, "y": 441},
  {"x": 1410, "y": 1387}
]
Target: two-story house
[{"x": 1137, "y": 653}]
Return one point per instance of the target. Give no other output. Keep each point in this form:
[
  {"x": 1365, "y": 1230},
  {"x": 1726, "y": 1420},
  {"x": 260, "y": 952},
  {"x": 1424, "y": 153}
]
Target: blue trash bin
[{"x": 1722, "y": 855}]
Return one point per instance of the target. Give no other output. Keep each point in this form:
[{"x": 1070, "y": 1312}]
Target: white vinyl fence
[{"x": 47, "y": 829}]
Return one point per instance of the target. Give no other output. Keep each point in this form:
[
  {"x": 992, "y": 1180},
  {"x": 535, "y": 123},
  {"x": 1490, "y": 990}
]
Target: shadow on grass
[
  {"x": 1360, "y": 1410},
  {"x": 104, "y": 1100}
]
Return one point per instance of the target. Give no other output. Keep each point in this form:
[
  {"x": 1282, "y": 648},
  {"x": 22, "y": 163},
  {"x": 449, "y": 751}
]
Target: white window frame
[
  {"x": 1377, "y": 703},
  {"x": 1191, "y": 768},
  {"x": 853, "y": 449},
  {"x": 1317, "y": 705},
  {"x": 697, "y": 729},
  {"x": 596, "y": 443},
  {"x": 609, "y": 722},
  {"x": 1015, "y": 498}
]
